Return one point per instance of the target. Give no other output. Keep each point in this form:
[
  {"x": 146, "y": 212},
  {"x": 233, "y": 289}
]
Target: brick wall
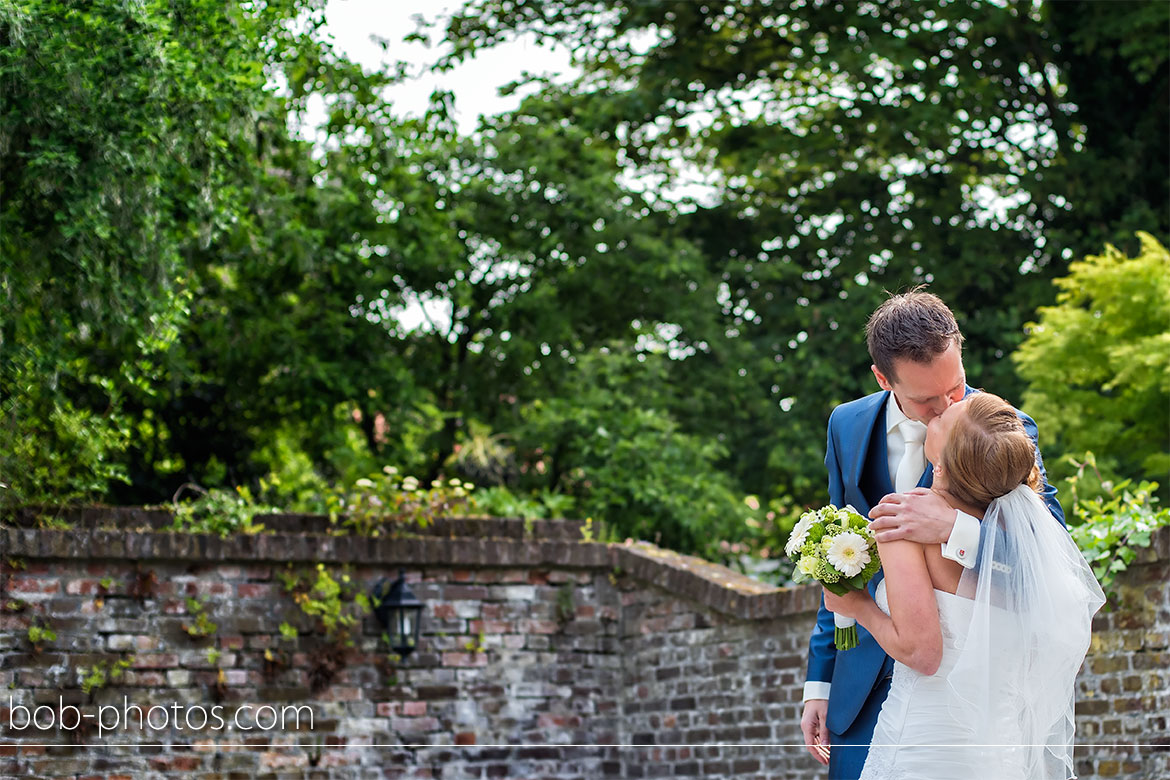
[
  {"x": 541, "y": 656},
  {"x": 1123, "y": 691}
]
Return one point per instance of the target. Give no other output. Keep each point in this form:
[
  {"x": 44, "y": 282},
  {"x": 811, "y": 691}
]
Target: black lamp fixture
[{"x": 398, "y": 610}]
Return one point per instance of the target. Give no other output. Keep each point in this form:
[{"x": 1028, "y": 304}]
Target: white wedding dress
[
  {"x": 1000, "y": 706},
  {"x": 917, "y": 736}
]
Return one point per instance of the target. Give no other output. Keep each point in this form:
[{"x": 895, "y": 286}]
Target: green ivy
[
  {"x": 1112, "y": 527},
  {"x": 201, "y": 626},
  {"x": 499, "y": 501},
  {"x": 39, "y": 634},
  {"x": 566, "y": 608},
  {"x": 103, "y": 673},
  {"x": 218, "y": 511},
  {"x": 335, "y": 602}
]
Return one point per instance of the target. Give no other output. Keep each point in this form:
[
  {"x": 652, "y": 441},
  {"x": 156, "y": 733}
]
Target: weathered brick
[
  {"x": 257, "y": 590},
  {"x": 443, "y": 611},
  {"x": 155, "y": 661},
  {"x": 649, "y": 655},
  {"x": 464, "y": 659}
]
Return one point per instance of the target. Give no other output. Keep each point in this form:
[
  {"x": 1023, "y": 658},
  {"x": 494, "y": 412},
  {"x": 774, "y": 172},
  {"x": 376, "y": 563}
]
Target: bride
[{"x": 986, "y": 659}]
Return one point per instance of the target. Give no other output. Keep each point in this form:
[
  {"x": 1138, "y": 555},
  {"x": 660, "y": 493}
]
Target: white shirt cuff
[
  {"x": 815, "y": 690},
  {"x": 963, "y": 544}
]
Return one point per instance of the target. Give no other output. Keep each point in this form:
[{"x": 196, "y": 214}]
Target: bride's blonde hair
[{"x": 988, "y": 454}]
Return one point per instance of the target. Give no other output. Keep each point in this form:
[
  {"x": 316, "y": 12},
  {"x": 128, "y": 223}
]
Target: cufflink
[{"x": 962, "y": 553}]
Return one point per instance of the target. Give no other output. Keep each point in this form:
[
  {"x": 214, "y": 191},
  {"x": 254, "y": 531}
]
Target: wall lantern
[{"x": 398, "y": 610}]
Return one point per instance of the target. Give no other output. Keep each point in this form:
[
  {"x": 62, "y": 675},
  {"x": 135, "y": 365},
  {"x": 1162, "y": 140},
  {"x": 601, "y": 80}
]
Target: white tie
[{"x": 913, "y": 460}]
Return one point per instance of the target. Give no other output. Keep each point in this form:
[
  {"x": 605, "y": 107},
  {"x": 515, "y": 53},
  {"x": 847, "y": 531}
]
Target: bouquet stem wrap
[{"x": 845, "y": 632}]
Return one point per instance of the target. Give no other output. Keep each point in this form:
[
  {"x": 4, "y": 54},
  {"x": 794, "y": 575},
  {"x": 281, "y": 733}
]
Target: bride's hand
[{"x": 850, "y": 605}]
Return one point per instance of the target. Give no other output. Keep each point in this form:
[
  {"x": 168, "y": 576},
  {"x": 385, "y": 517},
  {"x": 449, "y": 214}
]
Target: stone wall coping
[
  {"x": 701, "y": 581},
  {"x": 454, "y": 542},
  {"x": 160, "y": 518}
]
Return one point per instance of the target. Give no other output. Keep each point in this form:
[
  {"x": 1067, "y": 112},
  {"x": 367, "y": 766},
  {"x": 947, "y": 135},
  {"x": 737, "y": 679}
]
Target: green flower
[
  {"x": 826, "y": 573},
  {"x": 872, "y": 567}
]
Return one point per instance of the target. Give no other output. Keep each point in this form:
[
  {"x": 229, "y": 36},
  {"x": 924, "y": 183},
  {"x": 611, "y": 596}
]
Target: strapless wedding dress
[{"x": 919, "y": 737}]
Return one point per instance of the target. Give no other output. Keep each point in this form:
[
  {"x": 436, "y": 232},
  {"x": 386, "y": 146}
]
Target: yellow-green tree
[{"x": 1098, "y": 362}]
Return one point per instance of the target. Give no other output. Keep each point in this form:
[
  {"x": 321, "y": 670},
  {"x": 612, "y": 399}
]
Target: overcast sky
[{"x": 475, "y": 84}]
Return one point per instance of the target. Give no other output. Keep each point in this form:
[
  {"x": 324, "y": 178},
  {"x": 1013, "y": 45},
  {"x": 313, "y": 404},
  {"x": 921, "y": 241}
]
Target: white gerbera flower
[
  {"x": 799, "y": 533},
  {"x": 849, "y": 553}
]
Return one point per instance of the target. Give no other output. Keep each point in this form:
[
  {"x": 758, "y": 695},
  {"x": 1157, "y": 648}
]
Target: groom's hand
[
  {"x": 816, "y": 733},
  {"x": 919, "y": 515}
]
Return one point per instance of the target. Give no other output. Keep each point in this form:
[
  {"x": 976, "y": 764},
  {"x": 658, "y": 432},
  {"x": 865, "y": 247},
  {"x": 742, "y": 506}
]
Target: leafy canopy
[{"x": 1098, "y": 362}]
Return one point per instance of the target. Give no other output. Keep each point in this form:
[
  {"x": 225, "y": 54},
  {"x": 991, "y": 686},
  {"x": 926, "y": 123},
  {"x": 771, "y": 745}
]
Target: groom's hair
[{"x": 915, "y": 325}]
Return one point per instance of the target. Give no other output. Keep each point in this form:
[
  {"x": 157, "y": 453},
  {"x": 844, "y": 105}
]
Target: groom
[{"x": 876, "y": 463}]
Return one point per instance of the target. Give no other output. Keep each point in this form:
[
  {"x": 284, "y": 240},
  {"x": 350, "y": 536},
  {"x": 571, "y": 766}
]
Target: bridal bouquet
[{"x": 836, "y": 548}]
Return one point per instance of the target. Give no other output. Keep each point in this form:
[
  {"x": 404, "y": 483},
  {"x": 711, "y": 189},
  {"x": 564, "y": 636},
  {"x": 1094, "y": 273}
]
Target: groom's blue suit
[{"x": 858, "y": 466}]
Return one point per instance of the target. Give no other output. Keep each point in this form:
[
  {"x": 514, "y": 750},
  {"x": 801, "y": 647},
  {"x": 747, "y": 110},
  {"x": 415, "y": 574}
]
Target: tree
[
  {"x": 165, "y": 252},
  {"x": 272, "y": 350},
  {"x": 608, "y": 443},
  {"x": 120, "y": 128},
  {"x": 853, "y": 148},
  {"x": 517, "y": 247},
  {"x": 523, "y": 252},
  {"x": 1098, "y": 362}
]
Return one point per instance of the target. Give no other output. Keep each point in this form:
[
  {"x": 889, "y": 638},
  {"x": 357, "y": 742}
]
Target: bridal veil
[{"x": 1034, "y": 600}]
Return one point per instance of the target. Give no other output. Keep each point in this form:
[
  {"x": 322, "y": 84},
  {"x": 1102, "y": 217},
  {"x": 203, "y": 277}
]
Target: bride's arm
[{"x": 911, "y": 632}]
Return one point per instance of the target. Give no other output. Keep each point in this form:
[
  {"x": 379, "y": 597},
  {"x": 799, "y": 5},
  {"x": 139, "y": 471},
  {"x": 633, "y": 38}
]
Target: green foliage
[
  {"x": 55, "y": 450},
  {"x": 565, "y": 606},
  {"x": 548, "y": 307},
  {"x": 482, "y": 457},
  {"x": 1112, "y": 528},
  {"x": 335, "y": 603},
  {"x": 201, "y": 626},
  {"x": 852, "y": 148},
  {"x": 388, "y": 503},
  {"x": 768, "y": 527},
  {"x": 291, "y": 479},
  {"x": 476, "y": 645},
  {"x": 625, "y": 461},
  {"x": 541, "y": 504},
  {"x": 103, "y": 673},
  {"x": 216, "y": 511},
  {"x": 48, "y": 522},
  {"x": 38, "y": 634},
  {"x": 1098, "y": 362},
  {"x": 123, "y": 128}
]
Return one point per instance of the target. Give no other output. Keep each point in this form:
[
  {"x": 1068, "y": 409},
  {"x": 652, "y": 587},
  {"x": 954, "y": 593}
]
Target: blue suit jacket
[{"x": 857, "y": 461}]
